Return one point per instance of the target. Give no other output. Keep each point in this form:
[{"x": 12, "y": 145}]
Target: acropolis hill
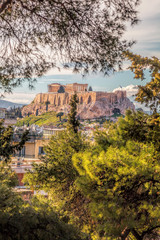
[{"x": 91, "y": 104}]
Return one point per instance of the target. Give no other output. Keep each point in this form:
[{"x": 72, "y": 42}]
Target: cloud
[
  {"x": 61, "y": 72},
  {"x": 54, "y": 80},
  {"x": 130, "y": 89},
  {"x": 148, "y": 8},
  {"x": 23, "y": 98},
  {"x": 147, "y": 32}
]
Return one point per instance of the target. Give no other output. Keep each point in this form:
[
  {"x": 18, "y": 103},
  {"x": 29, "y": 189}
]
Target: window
[
  {"x": 41, "y": 151},
  {"x": 21, "y": 153}
]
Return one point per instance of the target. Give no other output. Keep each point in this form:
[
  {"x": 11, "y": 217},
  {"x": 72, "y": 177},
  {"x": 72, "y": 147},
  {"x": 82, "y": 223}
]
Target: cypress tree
[{"x": 73, "y": 122}]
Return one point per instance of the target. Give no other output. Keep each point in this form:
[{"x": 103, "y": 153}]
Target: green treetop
[
  {"x": 19, "y": 220},
  {"x": 120, "y": 176}
]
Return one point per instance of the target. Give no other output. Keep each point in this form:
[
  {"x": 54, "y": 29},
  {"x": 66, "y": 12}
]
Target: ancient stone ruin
[{"x": 91, "y": 105}]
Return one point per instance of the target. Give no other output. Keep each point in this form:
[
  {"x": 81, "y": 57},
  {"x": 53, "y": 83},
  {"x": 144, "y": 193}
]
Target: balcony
[
  {"x": 18, "y": 156},
  {"x": 31, "y": 138},
  {"x": 21, "y": 164}
]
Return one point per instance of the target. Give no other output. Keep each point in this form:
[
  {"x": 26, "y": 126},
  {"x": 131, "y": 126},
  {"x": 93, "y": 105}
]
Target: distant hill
[{"x": 7, "y": 104}]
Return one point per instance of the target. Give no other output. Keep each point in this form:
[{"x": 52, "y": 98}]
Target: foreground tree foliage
[
  {"x": 120, "y": 176},
  {"x": 150, "y": 93},
  {"x": 85, "y": 35},
  {"x": 123, "y": 186},
  {"x": 21, "y": 220},
  {"x": 57, "y": 175},
  {"x": 110, "y": 189}
]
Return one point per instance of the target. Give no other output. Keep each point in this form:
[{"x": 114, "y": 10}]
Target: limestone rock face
[{"x": 91, "y": 104}]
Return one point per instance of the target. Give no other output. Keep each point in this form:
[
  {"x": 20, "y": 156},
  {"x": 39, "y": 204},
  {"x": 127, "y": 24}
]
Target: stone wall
[{"x": 60, "y": 99}]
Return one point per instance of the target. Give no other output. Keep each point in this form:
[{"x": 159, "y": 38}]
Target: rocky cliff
[{"x": 91, "y": 104}]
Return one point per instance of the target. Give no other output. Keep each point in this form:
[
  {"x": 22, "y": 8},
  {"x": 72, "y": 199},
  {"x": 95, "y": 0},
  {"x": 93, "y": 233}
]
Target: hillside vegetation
[{"x": 48, "y": 118}]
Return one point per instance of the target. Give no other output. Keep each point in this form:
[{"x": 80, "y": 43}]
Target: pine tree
[
  {"x": 60, "y": 114},
  {"x": 73, "y": 122},
  {"x": 90, "y": 89}
]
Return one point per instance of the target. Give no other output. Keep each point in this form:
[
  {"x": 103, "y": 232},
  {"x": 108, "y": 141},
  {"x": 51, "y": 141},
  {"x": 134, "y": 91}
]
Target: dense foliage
[
  {"x": 7, "y": 145},
  {"x": 21, "y": 220},
  {"x": 121, "y": 178},
  {"x": 110, "y": 189},
  {"x": 57, "y": 175},
  {"x": 41, "y": 34}
]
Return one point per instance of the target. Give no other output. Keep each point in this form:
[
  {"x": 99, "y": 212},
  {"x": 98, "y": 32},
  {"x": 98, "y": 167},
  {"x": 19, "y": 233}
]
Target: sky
[{"x": 147, "y": 36}]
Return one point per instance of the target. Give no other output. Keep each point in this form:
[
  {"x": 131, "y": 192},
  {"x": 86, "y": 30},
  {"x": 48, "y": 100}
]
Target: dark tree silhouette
[
  {"x": 90, "y": 89},
  {"x": 60, "y": 114},
  {"x": 61, "y": 89},
  {"x": 73, "y": 122}
]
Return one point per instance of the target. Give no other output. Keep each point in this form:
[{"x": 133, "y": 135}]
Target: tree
[
  {"x": 57, "y": 175},
  {"x": 61, "y": 89},
  {"x": 123, "y": 187},
  {"x": 47, "y": 103},
  {"x": 37, "y": 112},
  {"x": 120, "y": 176},
  {"x": 90, "y": 89},
  {"x": 7, "y": 147},
  {"x": 85, "y": 35},
  {"x": 112, "y": 187},
  {"x": 60, "y": 114},
  {"x": 139, "y": 126},
  {"x": 20, "y": 220},
  {"x": 150, "y": 93},
  {"x": 73, "y": 122},
  {"x": 116, "y": 111}
]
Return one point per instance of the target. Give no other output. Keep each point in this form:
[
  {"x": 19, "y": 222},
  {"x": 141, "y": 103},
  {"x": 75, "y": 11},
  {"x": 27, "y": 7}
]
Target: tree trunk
[
  {"x": 136, "y": 234},
  {"x": 125, "y": 234}
]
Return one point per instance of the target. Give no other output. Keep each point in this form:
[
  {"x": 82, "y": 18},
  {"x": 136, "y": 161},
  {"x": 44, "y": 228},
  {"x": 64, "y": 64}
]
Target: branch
[
  {"x": 125, "y": 233},
  {"x": 149, "y": 231},
  {"x": 136, "y": 234},
  {"x": 4, "y": 5}
]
